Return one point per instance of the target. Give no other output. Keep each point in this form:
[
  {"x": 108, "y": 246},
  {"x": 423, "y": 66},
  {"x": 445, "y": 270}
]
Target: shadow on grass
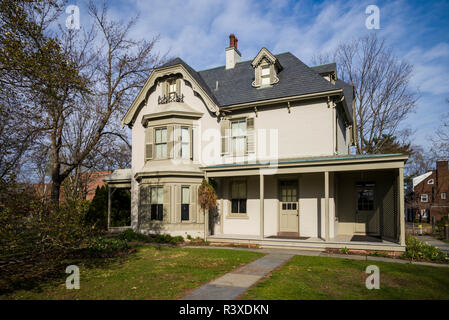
[{"x": 33, "y": 273}]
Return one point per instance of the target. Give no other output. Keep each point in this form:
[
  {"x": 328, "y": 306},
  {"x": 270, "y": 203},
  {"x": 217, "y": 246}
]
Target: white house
[{"x": 273, "y": 136}]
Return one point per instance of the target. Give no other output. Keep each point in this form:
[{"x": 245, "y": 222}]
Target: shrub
[
  {"x": 344, "y": 250},
  {"x": 130, "y": 235},
  {"x": 418, "y": 250},
  {"x": 102, "y": 247}
]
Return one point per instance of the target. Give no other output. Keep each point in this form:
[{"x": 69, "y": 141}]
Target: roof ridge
[{"x": 249, "y": 60}]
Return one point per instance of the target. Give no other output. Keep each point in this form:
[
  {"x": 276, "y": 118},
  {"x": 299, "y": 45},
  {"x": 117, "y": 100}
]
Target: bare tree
[
  {"x": 115, "y": 67},
  {"x": 440, "y": 143},
  {"x": 382, "y": 91}
]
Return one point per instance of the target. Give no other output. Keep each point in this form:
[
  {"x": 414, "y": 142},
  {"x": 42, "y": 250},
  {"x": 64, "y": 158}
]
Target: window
[
  {"x": 289, "y": 195},
  {"x": 185, "y": 143},
  {"x": 265, "y": 75},
  {"x": 185, "y": 202},
  {"x": 424, "y": 198},
  {"x": 443, "y": 195},
  {"x": 161, "y": 143},
  {"x": 365, "y": 199},
  {"x": 238, "y": 136},
  {"x": 430, "y": 181},
  {"x": 157, "y": 203},
  {"x": 172, "y": 89},
  {"x": 238, "y": 197}
]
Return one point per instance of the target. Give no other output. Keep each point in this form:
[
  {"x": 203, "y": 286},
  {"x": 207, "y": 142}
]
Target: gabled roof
[{"x": 229, "y": 87}]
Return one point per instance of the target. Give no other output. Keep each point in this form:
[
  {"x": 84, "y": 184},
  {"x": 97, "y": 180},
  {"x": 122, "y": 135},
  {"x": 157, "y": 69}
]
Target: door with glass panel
[
  {"x": 289, "y": 210},
  {"x": 367, "y": 215}
]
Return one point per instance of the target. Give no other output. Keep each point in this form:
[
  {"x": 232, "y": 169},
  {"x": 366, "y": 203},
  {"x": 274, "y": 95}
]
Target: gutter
[{"x": 280, "y": 100}]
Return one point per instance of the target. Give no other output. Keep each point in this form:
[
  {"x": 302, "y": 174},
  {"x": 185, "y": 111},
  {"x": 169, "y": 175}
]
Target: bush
[
  {"x": 102, "y": 247},
  {"x": 418, "y": 250},
  {"x": 130, "y": 235}
]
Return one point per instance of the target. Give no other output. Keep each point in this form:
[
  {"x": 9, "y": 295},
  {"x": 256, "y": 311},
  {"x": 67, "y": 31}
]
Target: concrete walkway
[
  {"x": 443, "y": 246},
  {"x": 234, "y": 283}
]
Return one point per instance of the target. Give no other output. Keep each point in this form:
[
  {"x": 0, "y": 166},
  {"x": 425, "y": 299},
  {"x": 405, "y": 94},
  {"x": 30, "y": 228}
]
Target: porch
[{"x": 316, "y": 203}]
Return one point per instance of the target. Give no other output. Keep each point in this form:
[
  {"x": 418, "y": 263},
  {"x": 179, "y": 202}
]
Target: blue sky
[{"x": 198, "y": 30}]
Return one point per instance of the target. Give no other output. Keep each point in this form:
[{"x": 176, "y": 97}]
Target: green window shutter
[
  {"x": 250, "y": 136},
  {"x": 164, "y": 88},
  {"x": 166, "y": 202},
  {"x": 178, "y": 203},
  {"x": 196, "y": 214},
  {"x": 257, "y": 79},
  {"x": 225, "y": 125},
  {"x": 272, "y": 74},
  {"x": 170, "y": 142},
  {"x": 148, "y": 144},
  {"x": 178, "y": 87},
  {"x": 191, "y": 135}
]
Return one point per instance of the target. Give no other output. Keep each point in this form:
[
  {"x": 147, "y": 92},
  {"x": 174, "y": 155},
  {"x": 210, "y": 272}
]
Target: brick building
[{"x": 430, "y": 194}]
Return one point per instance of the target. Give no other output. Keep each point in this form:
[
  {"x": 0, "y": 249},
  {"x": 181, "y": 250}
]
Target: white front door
[{"x": 289, "y": 208}]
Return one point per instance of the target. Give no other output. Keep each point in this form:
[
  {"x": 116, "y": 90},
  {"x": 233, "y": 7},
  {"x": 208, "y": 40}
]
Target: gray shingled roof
[
  {"x": 295, "y": 78},
  {"x": 325, "y": 68}
]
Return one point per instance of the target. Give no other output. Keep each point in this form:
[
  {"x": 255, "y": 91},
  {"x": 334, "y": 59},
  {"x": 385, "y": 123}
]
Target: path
[
  {"x": 443, "y": 246},
  {"x": 234, "y": 283}
]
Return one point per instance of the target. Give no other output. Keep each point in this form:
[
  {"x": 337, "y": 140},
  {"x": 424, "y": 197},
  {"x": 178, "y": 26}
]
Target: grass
[
  {"x": 333, "y": 278},
  {"x": 150, "y": 273}
]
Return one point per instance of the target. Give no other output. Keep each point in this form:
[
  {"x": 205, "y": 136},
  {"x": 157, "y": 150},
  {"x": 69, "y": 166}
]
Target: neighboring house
[
  {"x": 85, "y": 184},
  {"x": 273, "y": 135},
  {"x": 430, "y": 194}
]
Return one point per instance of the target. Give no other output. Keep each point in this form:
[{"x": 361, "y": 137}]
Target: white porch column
[
  {"x": 401, "y": 206},
  {"x": 326, "y": 205},
  {"x": 109, "y": 207},
  {"x": 261, "y": 196},
  {"x": 206, "y": 215}
]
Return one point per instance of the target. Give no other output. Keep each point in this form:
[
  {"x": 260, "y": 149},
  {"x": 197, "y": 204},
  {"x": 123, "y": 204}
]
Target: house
[
  {"x": 83, "y": 184},
  {"x": 273, "y": 136},
  {"x": 430, "y": 194}
]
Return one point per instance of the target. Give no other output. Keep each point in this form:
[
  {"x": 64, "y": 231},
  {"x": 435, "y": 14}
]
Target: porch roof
[
  {"x": 120, "y": 178},
  {"x": 314, "y": 164}
]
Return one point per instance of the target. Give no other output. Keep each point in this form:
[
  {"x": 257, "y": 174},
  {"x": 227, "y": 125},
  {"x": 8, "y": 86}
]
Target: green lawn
[
  {"x": 333, "y": 278},
  {"x": 150, "y": 273}
]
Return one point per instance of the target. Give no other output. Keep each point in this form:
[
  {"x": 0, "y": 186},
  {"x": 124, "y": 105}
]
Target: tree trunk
[{"x": 56, "y": 183}]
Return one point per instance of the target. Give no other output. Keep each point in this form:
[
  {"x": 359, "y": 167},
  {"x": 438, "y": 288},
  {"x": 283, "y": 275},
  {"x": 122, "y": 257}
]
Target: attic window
[
  {"x": 265, "y": 75},
  {"x": 430, "y": 181},
  {"x": 266, "y": 68}
]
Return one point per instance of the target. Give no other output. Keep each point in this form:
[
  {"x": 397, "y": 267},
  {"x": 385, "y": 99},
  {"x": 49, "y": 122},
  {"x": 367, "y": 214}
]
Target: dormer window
[
  {"x": 266, "y": 68},
  {"x": 171, "y": 91},
  {"x": 265, "y": 75}
]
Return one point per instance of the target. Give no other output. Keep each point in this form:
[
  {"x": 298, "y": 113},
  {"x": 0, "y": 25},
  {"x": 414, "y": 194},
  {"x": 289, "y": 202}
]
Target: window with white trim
[
  {"x": 156, "y": 201},
  {"x": 160, "y": 143},
  {"x": 172, "y": 88},
  {"x": 238, "y": 137},
  {"x": 430, "y": 181},
  {"x": 265, "y": 75},
  {"x": 443, "y": 195},
  {"x": 185, "y": 203},
  {"x": 185, "y": 143},
  {"x": 424, "y": 198},
  {"x": 238, "y": 197}
]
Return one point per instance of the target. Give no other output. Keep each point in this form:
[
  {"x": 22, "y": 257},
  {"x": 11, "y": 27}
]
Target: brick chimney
[
  {"x": 442, "y": 169},
  {"x": 232, "y": 53}
]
